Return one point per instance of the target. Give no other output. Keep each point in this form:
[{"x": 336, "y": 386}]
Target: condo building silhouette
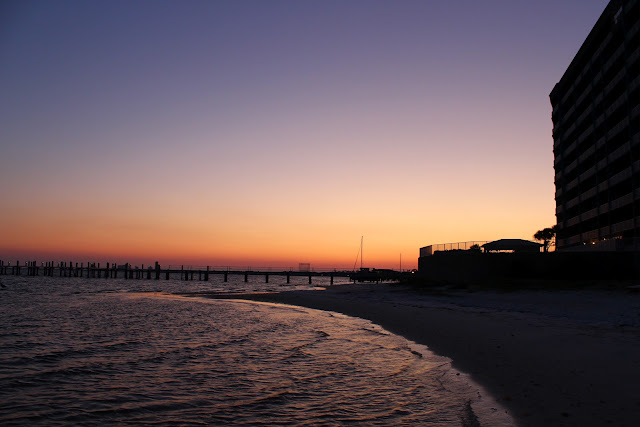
[{"x": 596, "y": 136}]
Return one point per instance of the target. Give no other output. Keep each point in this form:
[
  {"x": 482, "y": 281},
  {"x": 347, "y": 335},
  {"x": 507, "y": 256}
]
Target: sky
[{"x": 272, "y": 133}]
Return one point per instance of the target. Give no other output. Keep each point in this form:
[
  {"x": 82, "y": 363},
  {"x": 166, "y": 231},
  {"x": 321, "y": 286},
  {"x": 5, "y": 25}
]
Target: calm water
[{"x": 95, "y": 351}]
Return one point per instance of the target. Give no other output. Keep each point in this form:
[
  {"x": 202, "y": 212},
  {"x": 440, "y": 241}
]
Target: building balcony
[
  {"x": 589, "y": 193},
  {"x": 623, "y": 226},
  {"x": 598, "y": 99},
  {"x": 570, "y": 111},
  {"x": 588, "y": 173},
  {"x": 603, "y": 186},
  {"x": 619, "y": 152},
  {"x": 557, "y": 160},
  {"x": 614, "y": 82},
  {"x": 625, "y": 200},
  {"x": 602, "y": 163},
  {"x": 614, "y": 56},
  {"x": 589, "y": 151},
  {"x": 634, "y": 84},
  {"x": 571, "y": 166},
  {"x": 572, "y": 184},
  {"x": 573, "y": 202},
  {"x": 590, "y": 235},
  {"x": 567, "y": 94},
  {"x": 573, "y": 240},
  {"x": 634, "y": 56},
  {"x": 591, "y": 213},
  {"x": 602, "y": 45},
  {"x": 621, "y": 176},
  {"x": 588, "y": 131},
  {"x": 585, "y": 114},
  {"x": 573, "y": 221},
  {"x": 615, "y": 105},
  {"x": 634, "y": 30},
  {"x": 571, "y": 148},
  {"x": 569, "y": 132},
  {"x": 586, "y": 92},
  {"x": 618, "y": 128},
  {"x": 558, "y": 175}
]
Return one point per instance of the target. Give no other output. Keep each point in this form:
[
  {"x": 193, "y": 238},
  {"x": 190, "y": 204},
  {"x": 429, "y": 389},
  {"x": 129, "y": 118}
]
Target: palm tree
[{"x": 546, "y": 235}]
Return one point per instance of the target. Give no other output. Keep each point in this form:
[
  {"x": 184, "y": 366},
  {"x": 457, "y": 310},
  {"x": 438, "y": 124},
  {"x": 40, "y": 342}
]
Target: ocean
[{"x": 80, "y": 351}]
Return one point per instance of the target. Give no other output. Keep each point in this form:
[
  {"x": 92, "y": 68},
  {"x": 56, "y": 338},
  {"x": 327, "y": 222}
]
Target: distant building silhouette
[{"x": 596, "y": 134}]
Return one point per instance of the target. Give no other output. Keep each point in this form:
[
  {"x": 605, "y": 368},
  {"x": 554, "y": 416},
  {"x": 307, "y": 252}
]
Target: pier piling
[{"x": 188, "y": 273}]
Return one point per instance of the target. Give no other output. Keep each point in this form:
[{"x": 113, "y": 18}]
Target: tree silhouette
[{"x": 546, "y": 235}]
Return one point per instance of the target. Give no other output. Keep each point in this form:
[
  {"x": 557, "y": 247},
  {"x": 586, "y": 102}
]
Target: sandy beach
[{"x": 561, "y": 358}]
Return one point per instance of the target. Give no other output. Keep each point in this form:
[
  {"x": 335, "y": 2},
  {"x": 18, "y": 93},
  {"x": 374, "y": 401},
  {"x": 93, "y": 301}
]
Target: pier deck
[{"x": 127, "y": 271}]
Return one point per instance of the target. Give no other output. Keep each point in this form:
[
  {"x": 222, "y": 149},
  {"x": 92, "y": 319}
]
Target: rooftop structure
[{"x": 512, "y": 245}]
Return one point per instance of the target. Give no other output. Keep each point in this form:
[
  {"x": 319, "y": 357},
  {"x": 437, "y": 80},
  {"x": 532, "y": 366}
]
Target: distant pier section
[{"x": 156, "y": 272}]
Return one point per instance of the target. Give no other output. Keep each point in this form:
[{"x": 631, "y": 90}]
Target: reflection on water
[{"x": 91, "y": 351}]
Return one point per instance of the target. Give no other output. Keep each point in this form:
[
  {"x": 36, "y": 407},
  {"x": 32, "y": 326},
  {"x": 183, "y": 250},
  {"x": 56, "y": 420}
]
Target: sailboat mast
[{"x": 361, "y": 253}]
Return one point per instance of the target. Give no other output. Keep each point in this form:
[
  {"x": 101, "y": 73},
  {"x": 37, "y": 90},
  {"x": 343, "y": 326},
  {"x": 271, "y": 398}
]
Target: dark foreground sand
[{"x": 567, "y": 358}]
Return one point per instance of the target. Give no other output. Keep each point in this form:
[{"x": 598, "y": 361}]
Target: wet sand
[{"x": 566, "y": 358}]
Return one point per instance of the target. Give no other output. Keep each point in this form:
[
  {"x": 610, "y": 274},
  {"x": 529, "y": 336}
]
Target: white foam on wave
[
  {"x": 481, "y": 409},
  {"x": 484, "y": 409}
]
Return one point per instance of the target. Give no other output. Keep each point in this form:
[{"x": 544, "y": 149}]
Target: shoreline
[{"x": 563, "y": 358}]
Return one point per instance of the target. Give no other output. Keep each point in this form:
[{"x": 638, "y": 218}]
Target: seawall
[{"x": 473, "y": 267}]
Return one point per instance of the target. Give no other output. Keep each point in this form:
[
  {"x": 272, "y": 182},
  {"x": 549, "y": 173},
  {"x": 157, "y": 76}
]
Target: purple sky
[{"x": 310, "y": 123}]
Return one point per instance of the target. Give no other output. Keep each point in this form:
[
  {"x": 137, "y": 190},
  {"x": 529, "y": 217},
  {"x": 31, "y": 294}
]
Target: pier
[{"x": 156, "y": 272}]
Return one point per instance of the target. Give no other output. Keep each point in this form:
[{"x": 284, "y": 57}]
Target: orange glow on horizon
[{"x": 236, "y": 231}]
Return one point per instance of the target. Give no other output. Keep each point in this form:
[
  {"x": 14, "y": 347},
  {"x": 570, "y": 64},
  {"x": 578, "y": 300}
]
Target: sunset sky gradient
[{"x": 268, "y": 133}]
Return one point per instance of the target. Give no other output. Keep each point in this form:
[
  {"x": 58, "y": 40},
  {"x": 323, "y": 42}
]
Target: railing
[
  {"x": 258, "y": 268},
  {"x": 457, "y": 246},
  {"x": 189, "y": 272}
]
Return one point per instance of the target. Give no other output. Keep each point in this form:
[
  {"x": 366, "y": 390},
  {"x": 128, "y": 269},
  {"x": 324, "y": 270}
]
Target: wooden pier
[{"x": 129, "y": 272}]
